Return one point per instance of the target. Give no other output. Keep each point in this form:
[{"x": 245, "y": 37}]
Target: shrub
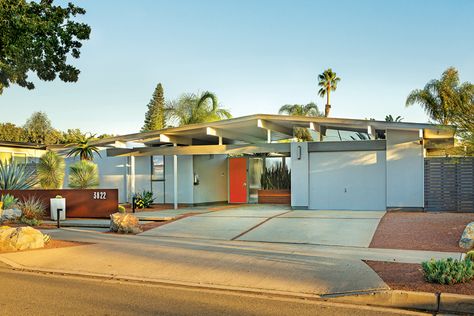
[
  {"x": 448, "y": 271},
  {"x": 32, "y": 210},
  {"x": 277, "y": 177},
  {"x": 16, "y": 176},
  {"x": 121, "y": 209},
  {"x": 50, "y": 169},
  {"x": 30, "y": 221},
  {"x": 470, "y": 255},
  {"x": 83, "y": 174},
  {"x": 9, "y": 201},
  {"x": 143, "y": 199}
]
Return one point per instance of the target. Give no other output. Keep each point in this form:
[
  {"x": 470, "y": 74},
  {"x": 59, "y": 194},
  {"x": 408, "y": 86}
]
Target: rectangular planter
[
  {"x": 274, "y": 197},
  {"x": 81, "y": 203}
]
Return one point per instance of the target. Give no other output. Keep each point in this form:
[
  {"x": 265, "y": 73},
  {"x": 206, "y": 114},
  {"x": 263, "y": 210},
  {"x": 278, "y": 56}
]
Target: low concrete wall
[{"x": 85, "y": 203}]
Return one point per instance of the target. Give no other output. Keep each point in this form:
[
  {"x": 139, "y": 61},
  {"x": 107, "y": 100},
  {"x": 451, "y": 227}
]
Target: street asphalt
[{"x": 38, "y": 294}]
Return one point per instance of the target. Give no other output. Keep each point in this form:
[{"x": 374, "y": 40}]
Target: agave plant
[
  {"x": 83, "y": 174},
  {"x": 8, "y": 201},
  {"x": 16, "y": 176},
  {"x": 50, "y": 169}
]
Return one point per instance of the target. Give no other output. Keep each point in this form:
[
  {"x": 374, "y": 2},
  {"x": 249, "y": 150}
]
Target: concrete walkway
[
  {"x": 302, "y": 269},
  {"x": 205, "y": 264}
]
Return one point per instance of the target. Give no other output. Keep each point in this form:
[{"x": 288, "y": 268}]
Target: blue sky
[{"x": 255, "y": 55}]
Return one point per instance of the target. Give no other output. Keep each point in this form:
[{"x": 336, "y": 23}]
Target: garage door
[{"x": 349, "y": 180}]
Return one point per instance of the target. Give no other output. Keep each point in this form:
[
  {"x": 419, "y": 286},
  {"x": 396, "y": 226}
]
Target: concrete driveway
[{"x": 278, "y": 224}]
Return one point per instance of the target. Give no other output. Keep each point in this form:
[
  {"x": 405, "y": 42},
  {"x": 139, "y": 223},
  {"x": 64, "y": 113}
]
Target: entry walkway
[{"x": 277, "y": 224}]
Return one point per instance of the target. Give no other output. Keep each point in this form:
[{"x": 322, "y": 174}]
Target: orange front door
[{"x": 237, "y": 180}]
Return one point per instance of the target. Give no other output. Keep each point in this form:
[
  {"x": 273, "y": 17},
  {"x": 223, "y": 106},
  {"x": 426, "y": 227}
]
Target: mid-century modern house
[{"x": 350, "y": 164}]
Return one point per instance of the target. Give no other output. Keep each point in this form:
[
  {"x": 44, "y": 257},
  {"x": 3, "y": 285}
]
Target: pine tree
[{"x": 155, "y": 115}]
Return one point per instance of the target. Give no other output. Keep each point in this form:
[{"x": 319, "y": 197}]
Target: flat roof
[
  {"x": 22, "y": 145},
  {"x": 253, "y": 129}
]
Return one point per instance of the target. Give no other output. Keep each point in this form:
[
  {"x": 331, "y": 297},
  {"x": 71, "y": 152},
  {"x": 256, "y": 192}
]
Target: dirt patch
[
  {"x": 421, "y": 231},
  {"x": 55, "y": 244},
  {"x": 409, "y": 277}
]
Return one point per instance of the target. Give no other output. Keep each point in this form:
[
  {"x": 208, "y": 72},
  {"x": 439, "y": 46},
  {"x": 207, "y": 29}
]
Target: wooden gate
[{"x": 449, "y": 184}]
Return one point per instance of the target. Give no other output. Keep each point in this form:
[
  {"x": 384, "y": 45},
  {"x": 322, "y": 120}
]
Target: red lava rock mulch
[
  {"x": 421, "y": 231},
  {"x": 409, "y": 277},
  {"x": 54, "y": 243}
]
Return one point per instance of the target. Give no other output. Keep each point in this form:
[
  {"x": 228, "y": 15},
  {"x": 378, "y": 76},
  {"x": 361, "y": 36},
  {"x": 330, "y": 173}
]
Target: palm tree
[
  {"x": 443, "y": 99},
  {"x": 389, "y": 118},
  {"x": 50, "y": 170},
  {"x": 310, "y": 109},
  {"x": 83, "y": 148},
  {"x": 191, "y": 108},
  {"x": 327, "y": 82}
]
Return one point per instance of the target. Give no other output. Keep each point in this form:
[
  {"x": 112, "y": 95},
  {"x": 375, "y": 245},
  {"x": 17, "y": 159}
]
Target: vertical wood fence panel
[{"x": 449, "y": 184}]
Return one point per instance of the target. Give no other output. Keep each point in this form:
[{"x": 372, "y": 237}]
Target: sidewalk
[{"x": 297, "y": 269}]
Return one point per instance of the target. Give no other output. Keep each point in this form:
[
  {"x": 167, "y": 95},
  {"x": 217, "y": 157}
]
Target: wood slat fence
[{"x": 449, "y": 184}]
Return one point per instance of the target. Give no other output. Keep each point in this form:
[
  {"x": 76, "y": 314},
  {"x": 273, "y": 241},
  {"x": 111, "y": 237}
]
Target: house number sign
[{"x": 100, "y": 195}]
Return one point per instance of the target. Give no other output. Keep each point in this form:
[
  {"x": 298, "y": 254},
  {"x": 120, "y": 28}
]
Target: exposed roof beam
[
  {"x": 274, "y": 127},
  {"x": 232, "y": 135},
  {"x": 206, "y": 150},
  {"x": 175, "y": 139}
]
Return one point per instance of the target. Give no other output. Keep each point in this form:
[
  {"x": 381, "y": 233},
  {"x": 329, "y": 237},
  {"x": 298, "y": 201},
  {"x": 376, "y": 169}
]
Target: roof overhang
[
  {"x": 254, "y": 129},
  {"x": 281, "y": 148}
]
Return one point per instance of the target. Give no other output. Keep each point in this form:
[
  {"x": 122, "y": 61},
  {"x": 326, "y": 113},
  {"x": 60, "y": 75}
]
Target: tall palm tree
[
  {"x": 191, "y": 108},
  {"x": 310, "y": 109},
  {"x": 327, "y": 82},
  {"x": 443, "y": 99},
  {"x": 83, "y": 148}
]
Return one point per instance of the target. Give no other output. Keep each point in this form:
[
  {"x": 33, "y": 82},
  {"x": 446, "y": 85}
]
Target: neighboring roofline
[
  {"x": 23, "y": 145},
  {"x": 330, "y": 121}
]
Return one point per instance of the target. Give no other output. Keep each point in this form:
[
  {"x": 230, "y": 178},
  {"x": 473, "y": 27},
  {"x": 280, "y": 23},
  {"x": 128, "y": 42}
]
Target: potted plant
[
  {"x": 58, "y": 202},
  {"x": 276, "y": 185}
]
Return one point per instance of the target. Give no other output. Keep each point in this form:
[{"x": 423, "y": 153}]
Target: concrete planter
[
  {"x": 274, "y": 197},
  {"x": 55, "y": 204}
]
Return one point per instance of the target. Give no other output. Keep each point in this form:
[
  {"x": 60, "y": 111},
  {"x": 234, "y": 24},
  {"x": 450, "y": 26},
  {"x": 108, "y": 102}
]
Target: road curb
[
  {"x": 434, "y": 302},
  {"x": 456, "y": 303},
  {"x": 391, "y": 298},
  {"x": 424, "y": 301}
]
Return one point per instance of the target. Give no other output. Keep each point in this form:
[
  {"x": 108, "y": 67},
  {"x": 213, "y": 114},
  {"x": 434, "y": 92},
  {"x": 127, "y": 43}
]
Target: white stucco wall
[
  {"x": 405, "y": 169},
  {"x": 30, "y": 153},
  {"x": 112, "y": 173},
  {"x": 349, "y": 180},
  {"x": 142, "y": 173},
  {"x": 212, "y": 172},
  {"x": 185, "y": 179},
  {"x": 299, "y": 176}
]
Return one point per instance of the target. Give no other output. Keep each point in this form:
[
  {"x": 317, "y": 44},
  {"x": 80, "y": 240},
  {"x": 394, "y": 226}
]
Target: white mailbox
[{"x": 58, "y": 203}]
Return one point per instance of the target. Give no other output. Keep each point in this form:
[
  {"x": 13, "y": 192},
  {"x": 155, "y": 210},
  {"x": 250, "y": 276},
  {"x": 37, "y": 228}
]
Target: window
[
  {"x": 157, "y": 168},
  {"x": 19, "y": 158}
]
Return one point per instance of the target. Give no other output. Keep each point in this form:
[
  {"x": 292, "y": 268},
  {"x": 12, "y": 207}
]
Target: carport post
[
  {"x": 132, "y": 175},
  {"x": 175, "y": 180}
]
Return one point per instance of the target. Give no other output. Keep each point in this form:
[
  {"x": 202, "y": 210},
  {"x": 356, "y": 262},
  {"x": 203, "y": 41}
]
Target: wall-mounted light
[{"x": 298, "y": 153}]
